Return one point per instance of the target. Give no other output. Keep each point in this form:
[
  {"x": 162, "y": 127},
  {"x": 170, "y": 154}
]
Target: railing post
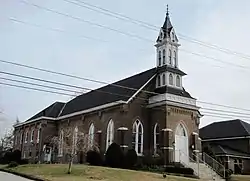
[{"x": 198, "y": 162}]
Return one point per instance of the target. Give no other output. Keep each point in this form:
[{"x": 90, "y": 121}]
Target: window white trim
[
  {"x": 156, "y": 142},
  {"x": 138, "y": 139},
  {"x": 60, "y": 146},
  {"x": 21, "y": 137},
  {"x": 171, "y": 79},
  {"x": 38, "y": 135},
  {"x": 91, "y": 135},
  {"x": 26, "y": 137},
  {"x": 32, "y": 135},
  {"x": 110, "y": 134}
]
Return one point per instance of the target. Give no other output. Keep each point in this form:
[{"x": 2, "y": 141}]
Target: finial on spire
[{"x": 167, "y": 10}]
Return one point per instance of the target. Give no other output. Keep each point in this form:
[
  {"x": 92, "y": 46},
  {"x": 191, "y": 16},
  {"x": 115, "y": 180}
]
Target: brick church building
[{"x": 151, "y": 110}]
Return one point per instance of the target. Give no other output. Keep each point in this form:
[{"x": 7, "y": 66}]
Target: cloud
[{"x": 227, "y": 25}]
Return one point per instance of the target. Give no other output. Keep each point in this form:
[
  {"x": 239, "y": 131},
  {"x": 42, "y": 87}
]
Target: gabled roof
[
  {"x": 109, "y": 93},
  {"x": 225, "y": 150},
  {"x": 51, "y": 111},
  {"x": 117, "y": 91},
  {"x": 225, "y": 129}
]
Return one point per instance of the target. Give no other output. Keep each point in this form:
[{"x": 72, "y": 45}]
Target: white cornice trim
[
  {"x": 230, "y": 138},
  {"x": 194, "y": 133},
  {"x": 123, "y": 129},
  {"x": 34, "y": 120},
  {"x": 173, "y": 104},
  {"x": 72, "y": 114},
  {"x": 92, "y": 109},
  {"x": 139, "y": 90}
]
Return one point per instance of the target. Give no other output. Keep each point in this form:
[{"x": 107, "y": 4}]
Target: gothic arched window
[
  {"x": 171, "y": 79},
  {"x": 163, "y": 79},
  {"x": 60, "y": 146},
  {"x": 137, "y": 137},
  {"x": 170, "y": 57},
  {"x": 156, "y": 138},
  {"x": 159, "y": 58},
  {"x": 175, "y": 59},
  {"x": 110, "y": 134},
  {"x": 91, "y": 135},
  {"x": 164, "y": 56},
  {"x": 178, "y": 81},
  {"x": 159, "y": 81}
]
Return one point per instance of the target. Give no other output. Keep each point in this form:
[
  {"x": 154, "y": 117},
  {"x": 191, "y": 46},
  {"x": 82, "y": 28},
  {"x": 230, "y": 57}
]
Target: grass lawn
[
  {"x": 57, "y": 172},
  {"x": 240, "y": 178}
]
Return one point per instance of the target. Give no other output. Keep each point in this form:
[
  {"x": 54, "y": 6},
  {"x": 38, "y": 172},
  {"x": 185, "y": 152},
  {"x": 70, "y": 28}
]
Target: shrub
[
  {"x": 179, "y": 170},
  {"x": 16, "y": 156},
  {"x": 131, "y": 158},
  {"x": 24, "y": 161},
  {"x": 94, "y": 158},
  {"x": 114, "y": 156},
  {"x": 12, "y": 164}
]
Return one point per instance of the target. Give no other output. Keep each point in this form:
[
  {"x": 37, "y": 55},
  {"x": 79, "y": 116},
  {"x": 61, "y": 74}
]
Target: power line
[
  {"x": 55, "y": 30},
  {"x": 233, "y": 112},
  {"x": 36, "y": 89},
  {"x": 85, "y": 21},
  {"x": 154, "y": 28},
  {"x": 122, "y": 32},
  {"x": 105, "y": 83},
  {"x": 224, "y": 114},
  {"x": 206, "y": 112},
  {"x": 47, "y": 81},
  {"x": 40, "y": 85},
  {"x": 67, "y": 85}
]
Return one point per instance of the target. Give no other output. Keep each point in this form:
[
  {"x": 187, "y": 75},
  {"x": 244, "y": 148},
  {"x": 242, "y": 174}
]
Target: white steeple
[{"x": 167, "y": 57}]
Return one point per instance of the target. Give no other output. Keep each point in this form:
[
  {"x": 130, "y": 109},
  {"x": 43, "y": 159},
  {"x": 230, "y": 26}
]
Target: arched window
[
  {"x": 91, "y": 135},
  {"x": 178, "y": 81},
  {"x": 159, "y": 81},
  {"x": 173, "y": 37},
  {"x": 137, "y": 137},
  {"x": 156, "y": 138},
  {"x": 32, "y": 135},
  {"x": 159, "y": 58},
  {"x": 75, "y": 137},
  {"x": 164, "y": 56},
  {"x": 170, "y": 57},
  {"x": 110, "y": 134},
  {"x": 171, "y": 79},
  {"x": 60, "y": 146},
  {"x": 163, "y": 79},
  {"x": 180, "y": 130},
  {"x": 26, "y": 137},
  {"x": 175, "y": 59}
]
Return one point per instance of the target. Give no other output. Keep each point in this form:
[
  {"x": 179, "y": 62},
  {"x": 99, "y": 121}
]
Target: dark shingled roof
[
  {"x": 109, "y": 93},
  {"x": 225, "y": 129},
  {"x": 225, "y": 150},
  {"x": 52, "y": 111}
]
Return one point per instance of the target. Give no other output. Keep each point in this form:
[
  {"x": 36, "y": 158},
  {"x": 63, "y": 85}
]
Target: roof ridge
[{"x": 243, "y": 124}]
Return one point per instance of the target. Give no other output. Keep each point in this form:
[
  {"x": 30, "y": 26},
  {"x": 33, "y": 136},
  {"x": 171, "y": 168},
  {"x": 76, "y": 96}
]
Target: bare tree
[
  {"x": 7, "y": 140},
  {"x": 71, "y": 141}
]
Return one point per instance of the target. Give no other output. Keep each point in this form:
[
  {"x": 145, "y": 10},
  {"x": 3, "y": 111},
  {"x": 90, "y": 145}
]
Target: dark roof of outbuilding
[
  {"x": 51, "y": 111},
  {"x": 225, "y": 150},
  {"x": 225, "y": 129}
]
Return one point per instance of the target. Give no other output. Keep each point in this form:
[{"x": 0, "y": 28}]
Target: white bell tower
[{"x": 167, "y": 57}]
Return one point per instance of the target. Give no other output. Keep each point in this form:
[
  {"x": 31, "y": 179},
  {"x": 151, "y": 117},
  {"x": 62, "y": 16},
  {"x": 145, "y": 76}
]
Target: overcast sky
[{"x": 224, "y": 23}]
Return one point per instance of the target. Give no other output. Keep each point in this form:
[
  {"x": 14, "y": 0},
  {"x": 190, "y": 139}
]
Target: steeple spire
[{"x": 167, "y": 11}]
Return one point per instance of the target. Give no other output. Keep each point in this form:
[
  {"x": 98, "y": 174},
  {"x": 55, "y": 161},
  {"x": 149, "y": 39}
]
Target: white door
[{"x": 181, "y": 145}]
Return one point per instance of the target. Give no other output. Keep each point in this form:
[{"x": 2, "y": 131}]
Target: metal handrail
[
  {"x": 213, "y": 159},
  {"x": 203, "y": 161}
]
